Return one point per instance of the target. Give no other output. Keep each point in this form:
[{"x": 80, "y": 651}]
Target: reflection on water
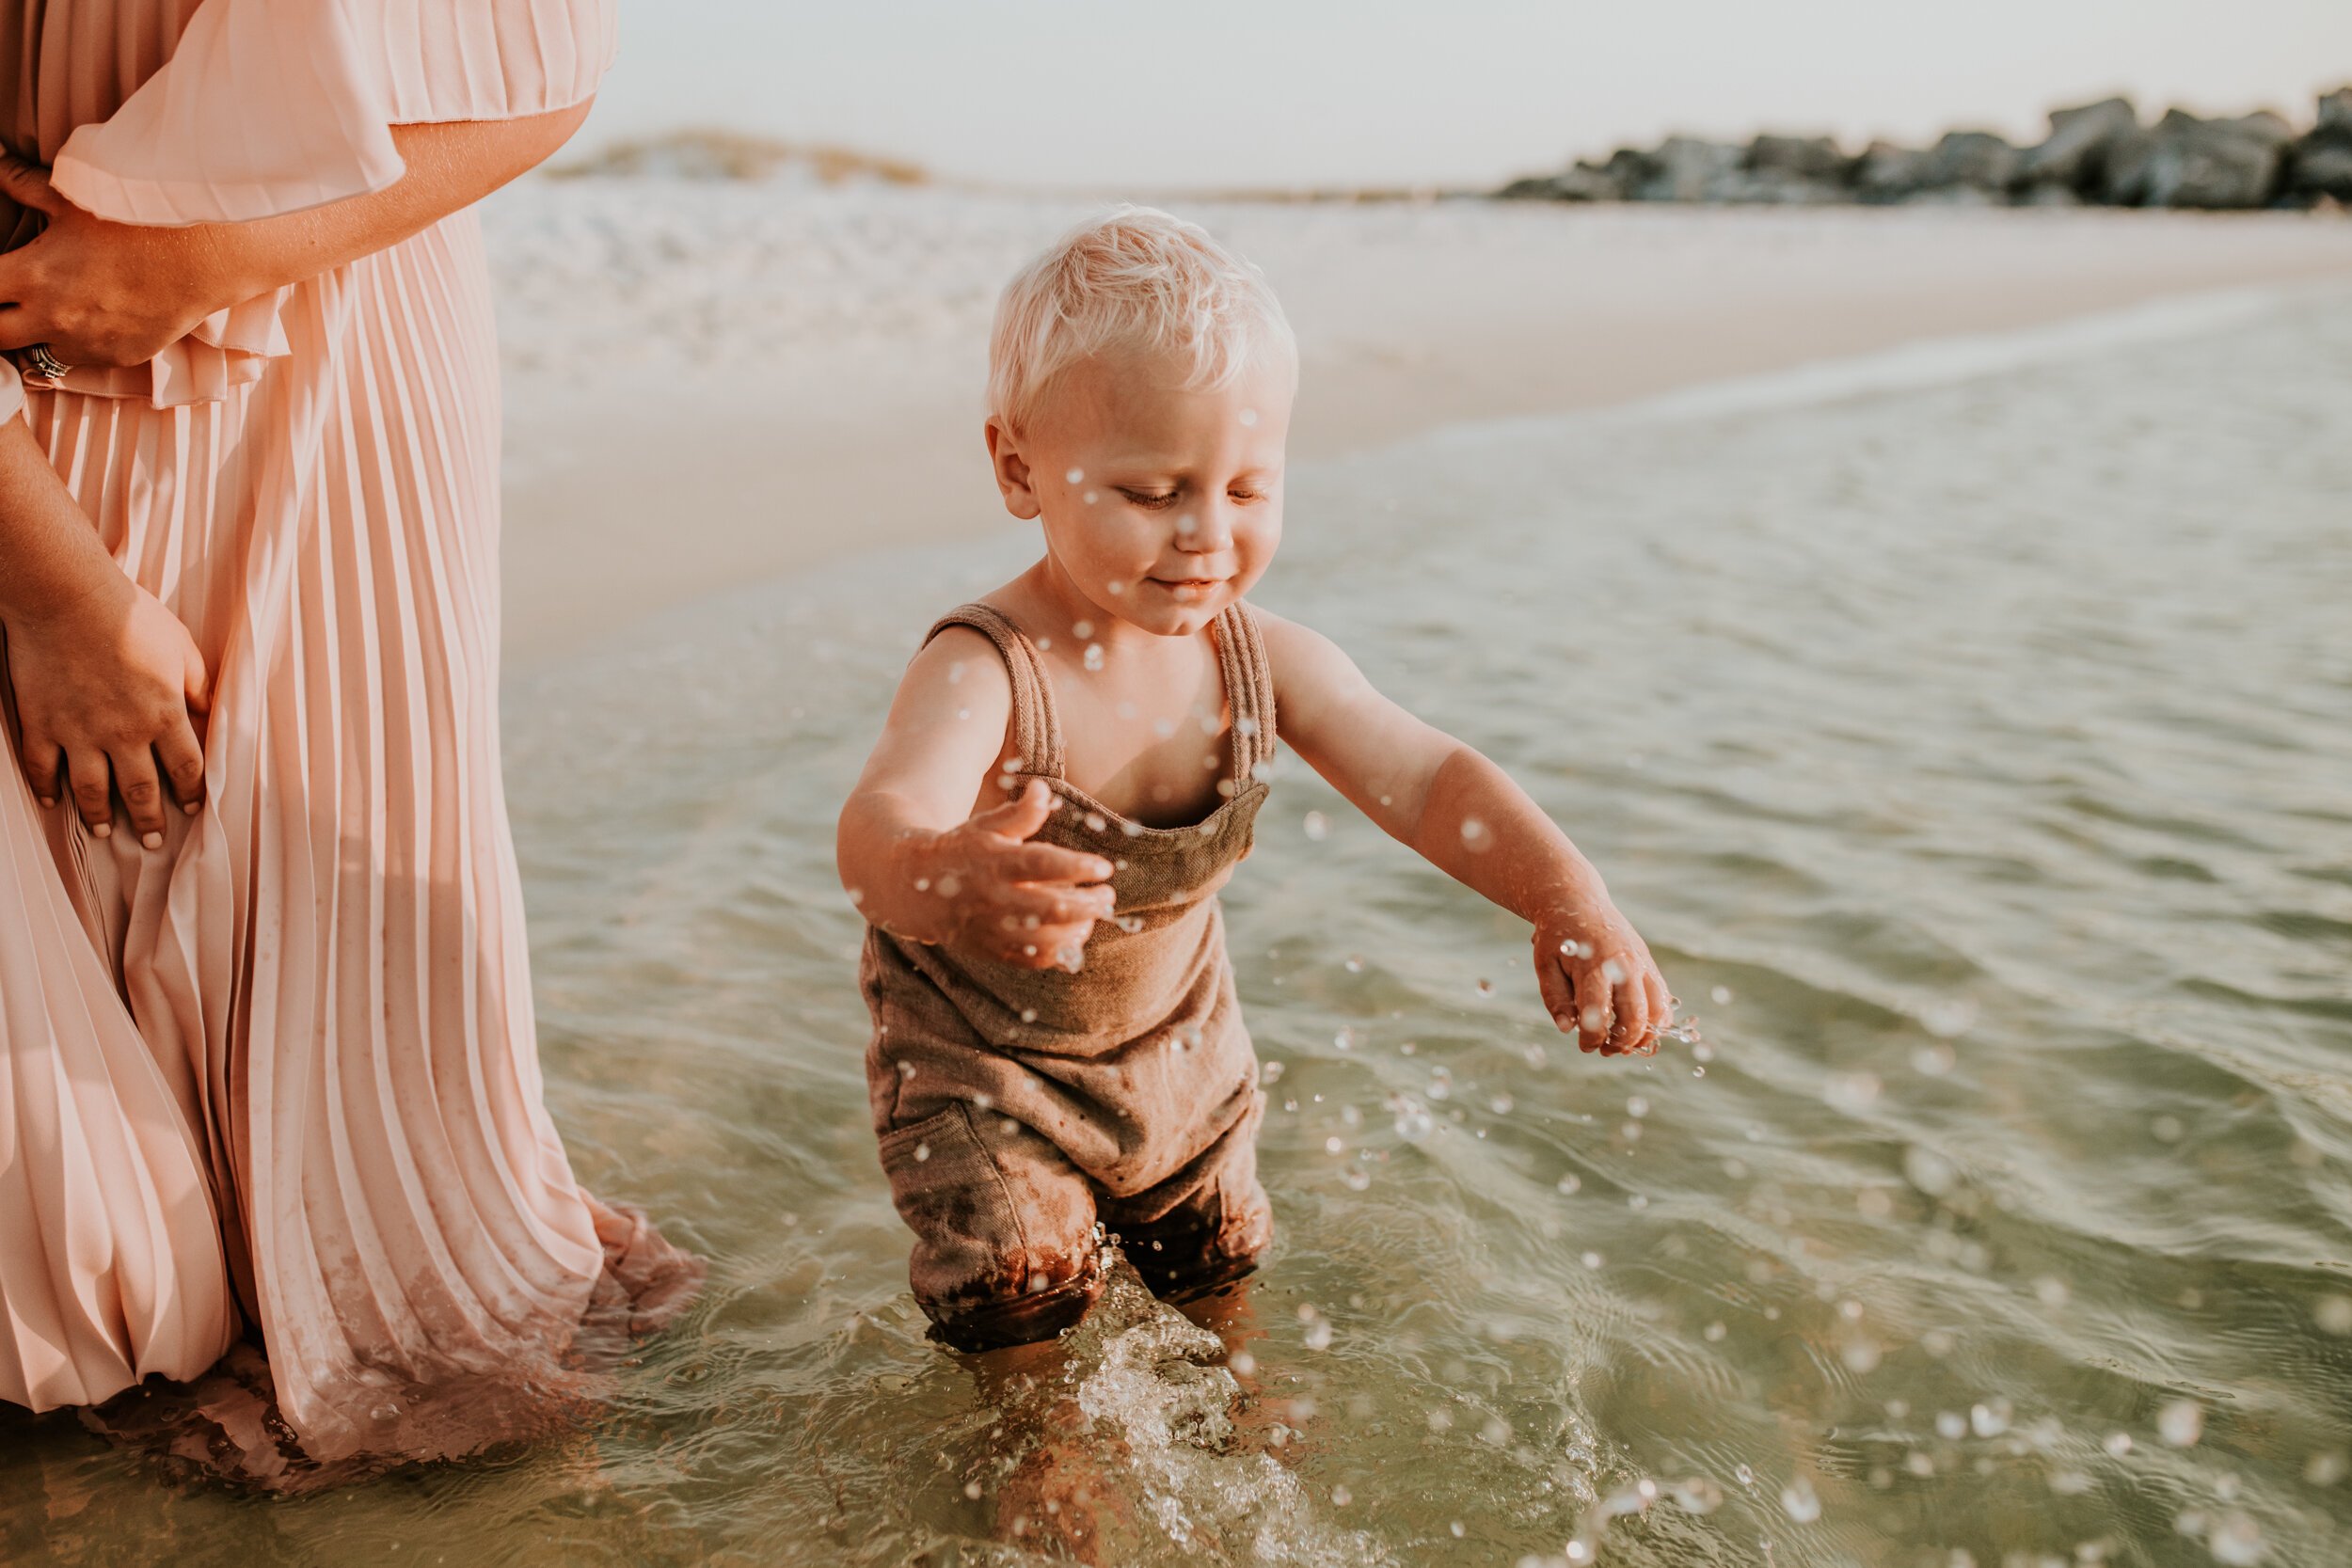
[{"x": 1976, "y": 758}]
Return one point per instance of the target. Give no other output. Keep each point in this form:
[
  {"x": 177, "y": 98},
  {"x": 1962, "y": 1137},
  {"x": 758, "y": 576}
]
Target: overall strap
[
  {"x": 1248, "y": 687},
  {"x": 1036, "y": 727}
]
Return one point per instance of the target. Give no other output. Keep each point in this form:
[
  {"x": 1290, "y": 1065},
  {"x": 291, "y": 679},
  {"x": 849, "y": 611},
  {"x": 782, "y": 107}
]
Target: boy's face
[{"x": 1161, "y": 504}]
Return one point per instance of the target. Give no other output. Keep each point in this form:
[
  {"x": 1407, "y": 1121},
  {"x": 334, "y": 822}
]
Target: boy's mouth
[{"x": 1198, "y": 585}]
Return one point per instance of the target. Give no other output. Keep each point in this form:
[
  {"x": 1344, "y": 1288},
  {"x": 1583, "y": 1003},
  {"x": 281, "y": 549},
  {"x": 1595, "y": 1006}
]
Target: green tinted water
[{"x": 1977, "y": 757}]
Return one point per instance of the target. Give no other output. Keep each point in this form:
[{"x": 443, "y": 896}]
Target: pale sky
[{"x": 1253, "y": 92}]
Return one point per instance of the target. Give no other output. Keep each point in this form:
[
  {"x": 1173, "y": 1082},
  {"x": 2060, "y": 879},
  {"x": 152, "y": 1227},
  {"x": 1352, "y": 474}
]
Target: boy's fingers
[
  {"x": 1559, "y": 995},
  {"x": 1059, "y": 906},
  {"x": 1022, "y": 815},
  {"x": 1595, "y": 1014},
  {"x": 1632, "y": 1007},
  {"x": 1047, "y": 946},
  {"x": 1051, "y": 863},
  {"x": 1661, "y": 1000}
]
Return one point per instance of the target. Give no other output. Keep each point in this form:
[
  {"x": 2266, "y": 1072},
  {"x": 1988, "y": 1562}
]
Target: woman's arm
[
  {"x": 113, "y": 294},
  {"x": 1464, "y": 815}
]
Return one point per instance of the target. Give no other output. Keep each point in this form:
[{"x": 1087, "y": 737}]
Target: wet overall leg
[
  {"x": 1204, "y": 1227},
  {"x": 1006, "y": 1251}
]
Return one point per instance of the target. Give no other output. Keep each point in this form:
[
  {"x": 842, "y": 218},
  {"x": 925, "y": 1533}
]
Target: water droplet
[
  {"x": 1990, "y": 1418},
  {"x": 1075, "y": 476},
  {"x": 1933, "y": 1061},
  {"x": 922, "y": 1152},
  {"x": 1093, "y": 660},
  {"x": 2118, "y": 1444},
  {"x": 1951, "y": 1425},
  {"x": 1355, "y": 964},
  {"x": 1345, "y": 1039},
  {"x": 1852, "y": 1092},
  {"x": 1929, "y": 1171},
  {"x": 1318, "y": 1335},
  {"x": 1948, "y": 1017},
  {"x": 1486, "y": 986},
  {"x": 1413, "y": 1122},
  {"x": 2334, "y": 1314},
  {"x": 1800, "y": 1502},
  {"x": 2327, "y": 1468},
  {"x": 2181, "y": 1423},
  {"x": 1342, "y": 1496},
  {"x": 1746, "y": 1476},
  {"x": 1249, "y": 417},
  {"x": 1318, "y": 827},
  {"x": 2235, "y": 1540},
  {"x": 972, "y": 1490},
  {"x": 1475, "y": 834},
  {"x": 1091, "y": 496},
  {"x": 1082, "y": 630},
  {"x": 1591, "y": 1259},
  {"x": 1637, "y": 1107},
  {"x": 1720, "y": 995},
  {"x": 1696, "y": 1494},
  {"x": 1713, "y": 1333}
]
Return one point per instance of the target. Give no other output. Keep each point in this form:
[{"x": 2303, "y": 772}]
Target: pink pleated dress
[{"x": 280, "y": 1074}]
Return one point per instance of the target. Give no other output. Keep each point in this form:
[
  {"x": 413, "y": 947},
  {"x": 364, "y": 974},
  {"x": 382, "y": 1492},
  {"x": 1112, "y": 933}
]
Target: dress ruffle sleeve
[{"x": 274, "y": 106}]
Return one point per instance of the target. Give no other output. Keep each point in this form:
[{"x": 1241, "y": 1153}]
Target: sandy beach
[{"x": 712, "y": 384}]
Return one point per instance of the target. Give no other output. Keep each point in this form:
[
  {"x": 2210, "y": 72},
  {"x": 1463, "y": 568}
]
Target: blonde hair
[{"x": 1135, "y": 278}]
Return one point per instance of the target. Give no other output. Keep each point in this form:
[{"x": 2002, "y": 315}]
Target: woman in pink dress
[{"x": 268, "y": 1065}]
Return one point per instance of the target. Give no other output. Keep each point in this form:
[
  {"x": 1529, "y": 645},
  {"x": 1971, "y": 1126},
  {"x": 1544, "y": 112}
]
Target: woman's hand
[
  {"x": 105, "y": 294},
  {"x": 109, "y": 687}
]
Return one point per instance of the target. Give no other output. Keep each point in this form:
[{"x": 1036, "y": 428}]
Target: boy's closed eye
[{"x": 1159, "y": 501}]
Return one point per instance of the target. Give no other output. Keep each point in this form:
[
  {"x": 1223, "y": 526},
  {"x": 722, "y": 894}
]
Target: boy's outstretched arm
[
  {"x": 920, "y": 864},
  {"x": 1464, "y": 815}
]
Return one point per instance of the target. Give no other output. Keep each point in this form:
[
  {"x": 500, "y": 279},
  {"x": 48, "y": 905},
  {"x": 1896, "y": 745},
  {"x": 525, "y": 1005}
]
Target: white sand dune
[{"x": 710, "y": 382}]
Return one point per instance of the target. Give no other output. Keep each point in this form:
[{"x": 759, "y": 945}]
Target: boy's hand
[
  {"x": 1600, "y": 983},
  {"x": 1029, "y": 905}
]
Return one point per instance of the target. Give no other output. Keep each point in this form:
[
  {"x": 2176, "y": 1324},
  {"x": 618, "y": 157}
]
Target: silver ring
[{"x": 45, "y": 365}]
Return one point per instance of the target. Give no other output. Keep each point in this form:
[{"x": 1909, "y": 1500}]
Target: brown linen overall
[{"x": 1016, "y": 1107}]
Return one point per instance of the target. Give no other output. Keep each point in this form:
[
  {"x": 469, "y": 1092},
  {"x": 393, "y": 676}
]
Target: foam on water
[{"x": 1974, "y": 742}]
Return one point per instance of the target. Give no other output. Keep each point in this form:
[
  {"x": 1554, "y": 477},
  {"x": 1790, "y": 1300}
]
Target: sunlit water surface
[{"x": 1978, "y": 758}]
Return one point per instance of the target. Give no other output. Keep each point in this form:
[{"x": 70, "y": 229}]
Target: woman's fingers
[
  {"x": 40, "y": 758},
  {"x": 26, "y": 183},
  {"x": 182, "y": 756},
  {"x": 142, "y": 793},
  {"x": 91, "y": 781}
]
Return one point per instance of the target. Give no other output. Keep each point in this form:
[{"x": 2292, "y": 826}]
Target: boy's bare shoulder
[
  {"x": 1299, "y": 651},
  {"x": 962, "y": 656}
]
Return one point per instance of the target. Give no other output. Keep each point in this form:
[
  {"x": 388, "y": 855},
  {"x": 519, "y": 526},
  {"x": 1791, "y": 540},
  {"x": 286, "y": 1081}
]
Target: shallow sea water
[{"x": 1977, "y": 756}]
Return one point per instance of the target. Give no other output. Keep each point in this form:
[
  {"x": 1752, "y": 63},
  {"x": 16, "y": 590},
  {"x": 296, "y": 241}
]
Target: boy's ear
[{"x": 1012, "y": 470}]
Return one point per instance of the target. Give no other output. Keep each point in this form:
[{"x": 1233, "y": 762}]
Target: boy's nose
[{"x": 1204, "y": 530}]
